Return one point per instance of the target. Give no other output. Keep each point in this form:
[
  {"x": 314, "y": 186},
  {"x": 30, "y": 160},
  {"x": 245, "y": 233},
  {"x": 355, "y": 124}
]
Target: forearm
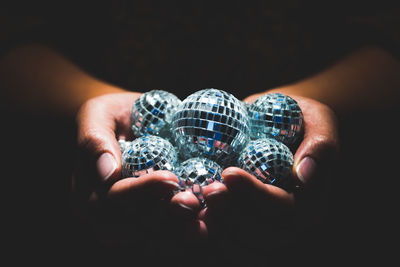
[
  {"x": 37, "y": 77},
  {"x": 367, "y": 79}
]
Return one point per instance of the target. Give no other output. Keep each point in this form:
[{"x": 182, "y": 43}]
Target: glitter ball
[
  {"x": 211, "y": 123},
  {"x": 197, "y": 172},
  {"x": 152, "y": 113},
  {"x": 269, "y": 160},
  {"x": 147, "y": 154},
  {"x": 201, "y": 171},
  {"x": 276, "y": 116}
]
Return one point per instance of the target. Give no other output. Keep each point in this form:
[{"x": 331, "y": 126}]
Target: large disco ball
[
  {"x": 147, "y": 154},
  {"x": 269, "y": 160},
  {"x": 276, "y": 116},
  {"x": 211, "y": 123},
  {"x": 152, "y": 113}
]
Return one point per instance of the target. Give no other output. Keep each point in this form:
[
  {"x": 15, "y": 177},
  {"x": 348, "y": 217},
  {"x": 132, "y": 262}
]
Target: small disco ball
[
  {"x": 201, "y": 171},
  {"x": 152, "y": 113},
  {"x": 276, "y": 116},
  {"x": 197, "y": 172},
  {"x": 147, "y": 154},
  {"x": 269, "y": 160},
  {"x": 211, "y": 123}
]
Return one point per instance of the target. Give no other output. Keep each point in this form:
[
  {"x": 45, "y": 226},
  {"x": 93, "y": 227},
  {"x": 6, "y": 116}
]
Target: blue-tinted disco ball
[
  {"x": 276, "y": 116},
  {"x": 147, "y": 154},
  {"x": 269, "y": 160},
  {"x": 201, "y": 171},
  {"x": 152, "y": 113},
  {"x": 211, "y": 123}
]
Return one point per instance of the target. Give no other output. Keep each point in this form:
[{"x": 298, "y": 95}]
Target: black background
[{"x": 39, "y": 148}]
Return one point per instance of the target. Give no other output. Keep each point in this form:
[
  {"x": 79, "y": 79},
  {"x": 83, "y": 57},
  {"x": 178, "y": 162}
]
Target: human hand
[
  {"x": 248, "y": 211},
  {"x": 148, "y": 202}
]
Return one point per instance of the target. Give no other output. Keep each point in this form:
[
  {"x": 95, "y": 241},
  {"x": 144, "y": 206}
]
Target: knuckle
[
  {"x": 90, "y": 139},
  {"x": 326, "y": 145}
]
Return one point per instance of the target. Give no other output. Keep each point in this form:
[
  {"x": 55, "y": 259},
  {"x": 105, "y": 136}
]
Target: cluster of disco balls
[{"x": 210, "y": 130}]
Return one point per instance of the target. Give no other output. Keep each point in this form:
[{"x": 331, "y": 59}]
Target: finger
[
  {"x": 216, "y": 196},
  {"x": 149, "y": 187},
  {"x": 98, "y": 122},
  {"x": 185, "y": 205},
  {"x": 320, "y": 142},
  {"x": 248, "y": 188}
]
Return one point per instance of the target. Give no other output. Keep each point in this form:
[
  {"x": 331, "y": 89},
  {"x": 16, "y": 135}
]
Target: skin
[{"x": 359, "y": 81}]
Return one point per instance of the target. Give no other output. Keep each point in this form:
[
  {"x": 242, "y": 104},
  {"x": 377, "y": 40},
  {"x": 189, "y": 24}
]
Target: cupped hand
[
  {"x": 248, "y": 211},
  {"x": 149, "y": 204}
]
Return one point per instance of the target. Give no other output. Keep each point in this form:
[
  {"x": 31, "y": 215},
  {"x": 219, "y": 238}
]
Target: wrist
[{"x": 99, "y": 88}]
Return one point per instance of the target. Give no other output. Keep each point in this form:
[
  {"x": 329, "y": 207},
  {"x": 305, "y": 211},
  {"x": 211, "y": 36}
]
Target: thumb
[
  {"x": 320, "y": 143},
  {"x": 97, "y": 141}
]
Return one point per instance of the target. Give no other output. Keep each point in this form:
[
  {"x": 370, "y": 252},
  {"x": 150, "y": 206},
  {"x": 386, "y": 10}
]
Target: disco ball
[
  {"x": 152, "y": 113},
  {"x": 276, "y": 116},
  {"x": 269, "y": 160},
  {"x": 198, "y": 170},
  {"x": 211, "y": 123},
  {"x": 147, "y": 154}
]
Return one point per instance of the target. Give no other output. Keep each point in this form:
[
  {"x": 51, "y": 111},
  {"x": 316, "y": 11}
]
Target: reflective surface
[
  {"x": 197, "y": 172},
  {"x": 152, "y": 113},
  {"x": 146, "y": 154},
  {"x": 201, "y": 171},
  {"x": 276, "y": 116},
  {"x": 269, "y": 160},
  {"x": 123, "y": 144},
  {"x": 211, "y": 123}
]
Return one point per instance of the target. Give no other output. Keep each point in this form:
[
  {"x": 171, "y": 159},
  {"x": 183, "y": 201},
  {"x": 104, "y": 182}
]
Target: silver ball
[
  {"x": 276, "y": 116},
  {"x": 211, "y": 123},
  {"x": 269, "y": 160},
  {"x": 147, "y": 154},
  {"x": 152, "y": 113},
  {"x": 201, "y": 171}
]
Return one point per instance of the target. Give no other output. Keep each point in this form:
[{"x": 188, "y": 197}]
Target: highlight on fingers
[
  {"x": 154, "y": 185},
  {"x": 242, "y": 183}
]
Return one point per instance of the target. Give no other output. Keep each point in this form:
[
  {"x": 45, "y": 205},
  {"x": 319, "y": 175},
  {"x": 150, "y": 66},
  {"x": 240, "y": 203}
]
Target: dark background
[{"x": 184, "y": 47}]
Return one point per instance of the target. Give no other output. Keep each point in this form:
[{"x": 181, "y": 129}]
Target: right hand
[{"x": 144, "y": 201}]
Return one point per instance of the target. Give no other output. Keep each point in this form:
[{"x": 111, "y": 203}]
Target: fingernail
[
  {"x": 229, "y": 172},
  {"x": 306, "y": 169},
  {"x": 174, "y": 184},
  {"x": 106, "y": 165}
]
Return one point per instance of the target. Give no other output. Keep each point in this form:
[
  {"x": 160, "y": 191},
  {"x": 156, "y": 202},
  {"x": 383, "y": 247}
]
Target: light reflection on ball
[
  {"x": 276, "y": 116},
  {"x": 123, "y": 144},
  {"x": 147, "y": 154},
  {"x": 211, "y": 123},
  {"x": 269, "y": 160}
]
